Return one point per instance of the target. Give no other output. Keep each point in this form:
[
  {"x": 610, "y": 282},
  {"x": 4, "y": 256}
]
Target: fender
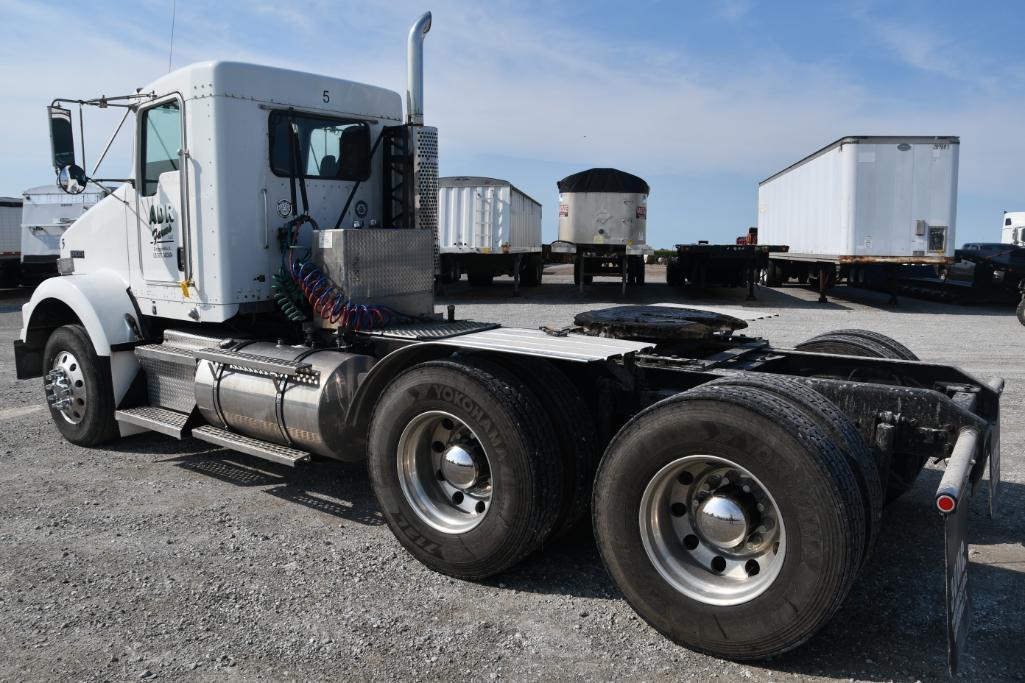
[
  {"x": 357, "y": 417},
  {"x": 101, "y": 302}
]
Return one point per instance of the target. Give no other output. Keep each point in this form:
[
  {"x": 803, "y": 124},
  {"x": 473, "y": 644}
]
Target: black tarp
[{"x": 603, "y": 180}]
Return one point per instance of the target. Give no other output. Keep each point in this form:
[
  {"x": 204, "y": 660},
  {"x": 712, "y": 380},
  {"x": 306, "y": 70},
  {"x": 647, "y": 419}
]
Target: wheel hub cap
[
  {"x": 722, "y": 521},
  {"x": 65, "y": 388},
  {"x": 459, "y": 467}
]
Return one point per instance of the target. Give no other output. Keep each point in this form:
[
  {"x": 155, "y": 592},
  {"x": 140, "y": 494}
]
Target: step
[
  {"x": 155, "y": 419},
  {"x": 251, "y": 361},
  {"x": 255, "y": 447}
]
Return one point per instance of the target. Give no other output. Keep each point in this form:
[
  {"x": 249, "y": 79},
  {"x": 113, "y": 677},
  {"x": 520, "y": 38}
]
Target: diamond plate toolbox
[{"x": 388, "y": 267}]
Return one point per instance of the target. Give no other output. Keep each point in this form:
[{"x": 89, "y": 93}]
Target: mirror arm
[{"x": 111, "y": 140}]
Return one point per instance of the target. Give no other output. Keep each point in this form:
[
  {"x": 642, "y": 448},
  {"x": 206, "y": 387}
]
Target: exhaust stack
[{"x": 415, "y": 70}]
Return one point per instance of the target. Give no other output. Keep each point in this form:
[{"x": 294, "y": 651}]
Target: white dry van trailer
[
  {"x": 10, "y": 241},
  {"x": 735, "y": 488},
  {"x": 861, "y": 202},
  {"x": 487, "y": 227},
  {"x": 46, "y": 214},
  {"x": 603, "y": 220}
]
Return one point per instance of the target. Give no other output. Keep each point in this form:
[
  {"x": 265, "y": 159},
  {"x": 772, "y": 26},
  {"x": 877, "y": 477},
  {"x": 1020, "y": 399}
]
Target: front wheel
[
  {"x": 78, "y": 388},
  {"x": 730, "y": 521}
]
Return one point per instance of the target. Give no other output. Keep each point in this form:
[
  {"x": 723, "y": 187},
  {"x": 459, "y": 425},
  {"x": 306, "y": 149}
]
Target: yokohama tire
[
  {"x": 904, "y": 469},
  {"x": 840, "y": 428},
  {"x": 524, "y": 470},
  {"x": 807, "y": 476}
]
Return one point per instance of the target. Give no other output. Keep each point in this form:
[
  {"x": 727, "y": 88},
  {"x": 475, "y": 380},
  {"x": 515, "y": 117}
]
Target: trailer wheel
[
  {"x": 78, "y": 388},
  {"x": 674, "y": 273},
  {"x": 578, "y": 272},
  {"x": 479, "y": 276},
  {"x": 773, "y": 274},
  {"x": 840, "y": 428},
  {"x": 464, "y": 467},
  {"x": 730, "y": 520},
  {"x": 532, "y": 271},
  {"x": 904, "y": 468}
]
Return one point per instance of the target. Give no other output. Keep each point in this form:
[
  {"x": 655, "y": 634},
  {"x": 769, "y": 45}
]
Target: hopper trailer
[{"x": 735, "y": 487}]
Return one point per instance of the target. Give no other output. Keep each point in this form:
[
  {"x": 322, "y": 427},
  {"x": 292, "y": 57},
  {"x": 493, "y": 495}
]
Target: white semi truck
[
  {"x": 224, "y": 292},
  {"x": 1013, "y": 229}
]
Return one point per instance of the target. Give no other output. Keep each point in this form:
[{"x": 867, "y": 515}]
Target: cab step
[
  {"x": 156, "y": 419},
  {"x": 255, "y": 447}
]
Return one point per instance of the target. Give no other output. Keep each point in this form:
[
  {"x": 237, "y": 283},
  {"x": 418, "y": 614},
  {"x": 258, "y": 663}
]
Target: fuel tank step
[
  {"x": 255, "y": 447},
  {"x": 258, "y": 363},
  {"x": 156, "y": 419}
]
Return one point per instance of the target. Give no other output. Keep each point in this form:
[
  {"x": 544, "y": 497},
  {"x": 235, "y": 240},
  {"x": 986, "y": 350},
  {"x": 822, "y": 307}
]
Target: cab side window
[
  {"x": 161, "y": 140},
  {"x": 326, "y": 147}
]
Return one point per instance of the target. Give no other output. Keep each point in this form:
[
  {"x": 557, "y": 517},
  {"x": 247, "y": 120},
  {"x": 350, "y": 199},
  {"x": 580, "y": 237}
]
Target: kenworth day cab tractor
[{"x": 264, "y": 282}]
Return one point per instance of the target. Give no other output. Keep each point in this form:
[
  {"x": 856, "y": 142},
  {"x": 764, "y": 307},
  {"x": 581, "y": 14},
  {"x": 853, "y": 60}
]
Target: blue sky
[{"x": 702, "y": 99}]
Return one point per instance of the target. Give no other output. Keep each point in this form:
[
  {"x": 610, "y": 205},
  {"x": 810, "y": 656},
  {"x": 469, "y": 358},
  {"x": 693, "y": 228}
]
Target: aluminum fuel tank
[{"x": 311, "y": 412}]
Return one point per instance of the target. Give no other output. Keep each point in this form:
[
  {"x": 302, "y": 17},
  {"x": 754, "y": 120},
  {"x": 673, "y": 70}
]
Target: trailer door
[{"x": 158, "y": 190}]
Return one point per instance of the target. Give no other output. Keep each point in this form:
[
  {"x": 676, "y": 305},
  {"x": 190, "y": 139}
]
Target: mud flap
[
  {"x": 964, "y": 469},
  {"x": 955, "y": 529}
]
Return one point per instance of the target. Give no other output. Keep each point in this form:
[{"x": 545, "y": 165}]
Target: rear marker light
[{"x": 945, "y": 503}]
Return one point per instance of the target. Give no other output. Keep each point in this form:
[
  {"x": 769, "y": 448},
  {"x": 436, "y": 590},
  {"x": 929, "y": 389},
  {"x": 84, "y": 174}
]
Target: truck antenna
[{"x": 170, "y": 49}]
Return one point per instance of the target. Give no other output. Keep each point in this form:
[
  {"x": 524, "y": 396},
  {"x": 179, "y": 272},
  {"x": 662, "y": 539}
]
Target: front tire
[
  {"x": 78, "y": 388},
  {"x": 464, "y": 467},
  {"x": 773, "y": 586}
]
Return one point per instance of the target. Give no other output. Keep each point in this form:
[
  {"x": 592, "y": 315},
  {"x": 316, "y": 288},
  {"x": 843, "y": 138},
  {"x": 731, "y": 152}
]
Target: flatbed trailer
[
  {"x": 725, "y": 265},
  {"x": 735, "y": 488}
]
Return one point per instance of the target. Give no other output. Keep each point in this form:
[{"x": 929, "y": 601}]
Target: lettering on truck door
[{"x": 159, "y": 192}]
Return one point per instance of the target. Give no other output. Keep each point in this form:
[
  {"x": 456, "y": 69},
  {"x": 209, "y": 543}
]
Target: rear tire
[
  {"x": 463, "y": 526},
  {"x": 576, "y": 434},
  {"x": 904, "y": 468},
  {"x": 532, "y": 271},
  {"x": 480, "y": 277},
  {"x": 840, "y": 428},
  {"x": 792, "y": 468},
  {"x": 76, "y": 375}
]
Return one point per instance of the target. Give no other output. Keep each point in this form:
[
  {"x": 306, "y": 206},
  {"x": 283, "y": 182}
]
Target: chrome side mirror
[{"x": 72, "y": 179}]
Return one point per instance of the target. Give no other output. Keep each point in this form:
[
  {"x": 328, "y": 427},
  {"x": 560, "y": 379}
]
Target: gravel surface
[{"x": 162, "y": 559}]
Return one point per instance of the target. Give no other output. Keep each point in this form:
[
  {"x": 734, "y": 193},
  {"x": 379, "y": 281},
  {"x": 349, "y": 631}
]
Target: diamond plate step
[
  {"x": 155, "y": 419},
  {"x": 250, "y": 361},
  {"x": 250, "y": 446}
]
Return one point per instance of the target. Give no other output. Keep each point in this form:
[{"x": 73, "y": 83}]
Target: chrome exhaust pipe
[{"x": 415, "y": 70}]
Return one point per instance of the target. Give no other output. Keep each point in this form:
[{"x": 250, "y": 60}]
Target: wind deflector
[{"x": 603, "y": 180}]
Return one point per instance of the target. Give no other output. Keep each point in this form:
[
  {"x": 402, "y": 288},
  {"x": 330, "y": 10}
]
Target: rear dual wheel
[
  {"x": 465, "y": 466},
  {"x": 903, "y": 468},
  {"x": 730, "y": 519}
]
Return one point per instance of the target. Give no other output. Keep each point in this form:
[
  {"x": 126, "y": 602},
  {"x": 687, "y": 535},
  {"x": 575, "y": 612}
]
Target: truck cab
[
  {"x": 1013, "y": 229},
  {"x": 194, "y": 233}
]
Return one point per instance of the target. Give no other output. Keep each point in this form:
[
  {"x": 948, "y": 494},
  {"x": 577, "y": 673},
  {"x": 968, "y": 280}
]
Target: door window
[{"x": 161, "y": 140}]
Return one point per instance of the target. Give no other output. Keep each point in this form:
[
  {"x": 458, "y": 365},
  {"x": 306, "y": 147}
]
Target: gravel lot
[{"x": 164, "y": 559}]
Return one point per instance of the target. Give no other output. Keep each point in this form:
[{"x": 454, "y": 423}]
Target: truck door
[{"x": 161, "y": 221}]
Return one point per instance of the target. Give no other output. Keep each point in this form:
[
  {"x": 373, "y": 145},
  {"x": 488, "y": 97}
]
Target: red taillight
[{"x": 946, "y": 503}]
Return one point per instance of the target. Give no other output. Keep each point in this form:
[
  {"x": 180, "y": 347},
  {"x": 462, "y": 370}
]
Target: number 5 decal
[{"x": 327, "y": 96}]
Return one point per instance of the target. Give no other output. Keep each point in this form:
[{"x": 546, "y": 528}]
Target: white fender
[{"x": 101, "y": 301}]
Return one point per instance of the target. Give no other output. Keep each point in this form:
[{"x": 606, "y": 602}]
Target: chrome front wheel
[{"x": 66, "y": 388}]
